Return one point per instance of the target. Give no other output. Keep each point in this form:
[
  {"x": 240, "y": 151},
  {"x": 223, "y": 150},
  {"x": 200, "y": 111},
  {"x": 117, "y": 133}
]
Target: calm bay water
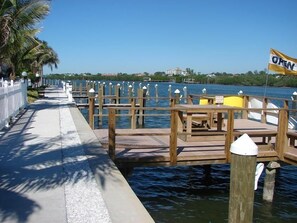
[{"x": 191, "y": 194}]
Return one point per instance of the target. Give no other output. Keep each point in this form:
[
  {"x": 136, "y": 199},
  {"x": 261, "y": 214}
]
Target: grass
[{"x": 33, "y": 95}]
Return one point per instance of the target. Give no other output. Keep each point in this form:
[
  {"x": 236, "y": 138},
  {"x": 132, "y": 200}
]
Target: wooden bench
[
  {"x": 200, "y": 120},
  {"x": 257, "y": 133}
]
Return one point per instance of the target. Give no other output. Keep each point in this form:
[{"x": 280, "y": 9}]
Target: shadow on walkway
[{"x": 30, "y": 163}]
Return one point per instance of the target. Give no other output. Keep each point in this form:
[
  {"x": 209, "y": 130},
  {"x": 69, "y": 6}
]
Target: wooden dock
[
  {"x": 151, "y": 147},
  {"x": 184, "y": 144}
]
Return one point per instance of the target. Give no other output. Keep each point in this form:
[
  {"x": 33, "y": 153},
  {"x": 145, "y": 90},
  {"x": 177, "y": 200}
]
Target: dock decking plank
[{"x": 136, "y": 147}]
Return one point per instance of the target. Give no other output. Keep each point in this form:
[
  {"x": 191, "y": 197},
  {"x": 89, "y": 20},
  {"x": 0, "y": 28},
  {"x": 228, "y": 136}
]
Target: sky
[{"x": 136, "y": 36}]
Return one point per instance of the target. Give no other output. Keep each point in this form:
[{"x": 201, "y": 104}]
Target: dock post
[
  {"x": 185, "y": 95},
  {"x": 169, "y": 92},
  {"x": 80, "y": 88},
  {"x": 132, "y": 113},
  {"x": 91, "y": 107},
  {"x": 111, "y": 133},
  {"x": 242, "y": 180},
  {"x": 176, "y": 96},
  {"x": 141, "y": 101},
  {"x": 130, "y": 93},
  {"x": 148, "y": 92},
  {"x": 88, "y": 87},
  {"x": 118, "y": 93},
  {"x": 173, "y": 137},
  {"x": 269, "y": 181},
  {"x": 110, "y": 92},
  {"x": 156, "y": 93},
  {"x": 100, "y": 103}
]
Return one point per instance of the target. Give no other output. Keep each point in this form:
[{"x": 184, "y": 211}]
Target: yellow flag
[{"x": 281, "y": 63}]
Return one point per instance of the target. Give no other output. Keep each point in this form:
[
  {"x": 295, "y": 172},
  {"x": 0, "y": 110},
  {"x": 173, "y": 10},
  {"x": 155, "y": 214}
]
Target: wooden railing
[
  {"x": 281, "y": 134},
  {"x": 140, "y": 103}
]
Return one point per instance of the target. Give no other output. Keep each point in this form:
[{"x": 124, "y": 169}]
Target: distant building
[
  {"x": 176, "y": 71},
  {"x": 211, "y": 75},
  {"x": 108, "y": 75}
]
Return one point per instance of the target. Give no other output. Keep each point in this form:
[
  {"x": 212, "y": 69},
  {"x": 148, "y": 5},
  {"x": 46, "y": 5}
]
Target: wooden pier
[
  {"x": 199, "y": 134},
  {"x": 166, "y": 146}
]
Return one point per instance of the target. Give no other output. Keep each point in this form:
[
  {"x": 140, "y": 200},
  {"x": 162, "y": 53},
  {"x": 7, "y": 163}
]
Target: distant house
[
  {"x": 211, "y": 75},
  {"x": 108, "y": 75},
  {"x": 176, "y": 71}
]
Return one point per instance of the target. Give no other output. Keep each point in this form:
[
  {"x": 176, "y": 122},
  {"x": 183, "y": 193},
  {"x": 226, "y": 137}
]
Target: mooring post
[
  {"x": 80, "y": 88},
  {"x": 269, "y": 181},
  {"x": 140, "y": 110},
  {"x": 133, "y": 114},
  {"x": 176, "y": 96},
  {"x": 242, "y": 180},
  {"x": 110, "y": 92},
  {"x": 148, "y": 91},
  {"x": 173, "y": 137},
  {"x": 130, "y": 93},
  {"x": 91, "y": 107},
  {"x": 141, "y": 101},
  {"x": 185, "y": 94},
  {"x": 100, "y": 103},
  {"x": 111, "y": 133},
  {"x": 169, "y": 92},
  {"x": 156, "y": 92},
  {"x": 118, "y": 93}
]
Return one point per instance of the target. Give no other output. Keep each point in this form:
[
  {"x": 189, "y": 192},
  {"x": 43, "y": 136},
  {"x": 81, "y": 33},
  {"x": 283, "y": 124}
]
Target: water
[
  {"x": 201, "y": 194},
  {"x": 191, "y": 194}
]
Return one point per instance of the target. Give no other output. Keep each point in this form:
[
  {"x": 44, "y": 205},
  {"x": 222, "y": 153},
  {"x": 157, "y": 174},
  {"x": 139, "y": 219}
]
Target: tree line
[{"x": 255, "y": 78}]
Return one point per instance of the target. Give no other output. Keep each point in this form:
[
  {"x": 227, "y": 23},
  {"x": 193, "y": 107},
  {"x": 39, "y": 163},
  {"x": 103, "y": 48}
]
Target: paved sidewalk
[{"x": 44, "y": 173}]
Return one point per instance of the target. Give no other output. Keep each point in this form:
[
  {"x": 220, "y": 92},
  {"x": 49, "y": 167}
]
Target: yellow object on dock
[{"x": 236, "y": 101}]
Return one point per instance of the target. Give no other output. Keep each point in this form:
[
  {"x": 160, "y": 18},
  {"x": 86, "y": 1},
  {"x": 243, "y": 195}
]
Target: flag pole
[{"x": 266, "y": 84}]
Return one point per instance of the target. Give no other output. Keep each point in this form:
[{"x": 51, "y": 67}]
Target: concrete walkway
[{"x": 53, "y": 169}]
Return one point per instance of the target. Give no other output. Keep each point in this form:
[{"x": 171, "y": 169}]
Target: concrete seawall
[{"x": 122, "y": 203}]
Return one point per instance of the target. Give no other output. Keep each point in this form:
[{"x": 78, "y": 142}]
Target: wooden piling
[
  {"x": 80, "y": 88},
  {"x": 177, "y": 96},
  {"x": 173, "y": 137},
  {"x": 242, "y": 180},
  {"x": 91, "y": 108},
  {"x": 110, "y": 92},
  {"x": 169, "y": 92},
  {"x": 156, "y": 93},
  {"x": 141, "y": 101},
  {"x": 111, "y": 133},
  {"x": 269, "y": 181},
  {"x": 130, "y": 93},
  {"x": 133, "y": 114},
  {"x": 118, "y": 93},
  {"x": 100, "y": 103}
]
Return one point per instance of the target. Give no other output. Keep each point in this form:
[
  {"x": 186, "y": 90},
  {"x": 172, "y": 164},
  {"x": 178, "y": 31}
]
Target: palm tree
[
  {"x": 39, "y": 56},
  {"x": 18, "y": 19}
]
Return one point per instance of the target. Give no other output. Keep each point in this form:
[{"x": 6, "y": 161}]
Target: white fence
[{"x": 13, "y": 97}]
